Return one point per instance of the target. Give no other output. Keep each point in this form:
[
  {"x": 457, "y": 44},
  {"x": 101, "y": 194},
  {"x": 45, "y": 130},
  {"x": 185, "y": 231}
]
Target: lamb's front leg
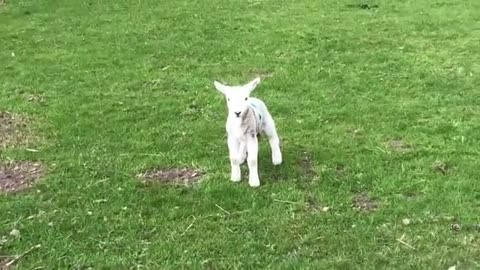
[
  {"x": 235, "y": 158},
  {"x": 252, "y": 149}
]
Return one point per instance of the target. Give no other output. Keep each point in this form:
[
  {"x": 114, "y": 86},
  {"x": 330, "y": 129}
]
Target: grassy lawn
[{"x": 377, "y": 108}]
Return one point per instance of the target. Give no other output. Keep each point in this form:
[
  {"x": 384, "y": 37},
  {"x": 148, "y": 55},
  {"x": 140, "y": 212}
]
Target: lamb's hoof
[
  {"x": 277, "y": 161},
  {"x": 235, "y": 179},
  {"x": 254, "y": 183},
  {"x": 277, "y": 158}
]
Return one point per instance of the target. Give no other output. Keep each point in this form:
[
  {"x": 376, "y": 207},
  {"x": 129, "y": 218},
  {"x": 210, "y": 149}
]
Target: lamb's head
[{"x": 237, "y": 96}]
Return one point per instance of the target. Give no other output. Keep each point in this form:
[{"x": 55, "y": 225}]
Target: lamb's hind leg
[
  {"x": 273, "y": 140},
  {"x": 252, "y": 149},
  {"x": 243, "y": 152}
]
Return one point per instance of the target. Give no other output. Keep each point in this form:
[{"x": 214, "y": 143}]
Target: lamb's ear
[
  {"x": 220, "y": 87},
  {"x": 251, "y": 85}
]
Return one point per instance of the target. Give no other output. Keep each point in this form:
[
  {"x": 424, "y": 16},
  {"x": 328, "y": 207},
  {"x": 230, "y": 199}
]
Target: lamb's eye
[
  {"x": 228, "y": 99},
  {"x": 246, "y": 98}
]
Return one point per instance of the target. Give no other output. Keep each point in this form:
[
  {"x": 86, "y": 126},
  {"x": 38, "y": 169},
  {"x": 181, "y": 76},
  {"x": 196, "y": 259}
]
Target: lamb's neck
[
  {"x": 242, "y": 124},
  {"x": 235, "y": 122}
]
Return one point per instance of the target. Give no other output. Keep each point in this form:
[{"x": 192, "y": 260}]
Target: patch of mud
[
  {"x": 399, "y": 145},
  {"x": 340, "y": 170},
  {"x": 17, "y": 176},
  {"x": 7, "y": 262},
  {"x": 440, "y": 167},
  {"x": 410, "y": 195},
  {"x": 35, "y": 98},
  {"x": 456, "y": 227},
  {"x": 4, "y": 259},
  {"x": 314, "y": 206},
  {"x": 364, "y": 203},
  {"x": 445, "y": 4},
  {"x": 306, "y": 165},
  {"x": 13, "y": 130},
  {"x": 175, "y": 176},
  {"x": 363, "y": 6}
]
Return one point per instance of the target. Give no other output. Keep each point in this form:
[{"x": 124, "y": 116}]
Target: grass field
[{"x": 368, "y": 103}]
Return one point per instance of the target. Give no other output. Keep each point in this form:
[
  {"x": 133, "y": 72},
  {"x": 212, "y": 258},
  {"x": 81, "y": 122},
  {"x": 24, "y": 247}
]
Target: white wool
[{"x": 248, "y": 117}]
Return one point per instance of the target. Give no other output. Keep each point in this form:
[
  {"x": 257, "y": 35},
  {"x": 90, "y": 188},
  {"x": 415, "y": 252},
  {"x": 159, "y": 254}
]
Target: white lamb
[{"x": 248, "y": 117}]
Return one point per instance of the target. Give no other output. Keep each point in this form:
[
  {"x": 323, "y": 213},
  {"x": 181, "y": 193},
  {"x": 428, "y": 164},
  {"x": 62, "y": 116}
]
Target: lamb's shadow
[{"x": 298, "y": 165}]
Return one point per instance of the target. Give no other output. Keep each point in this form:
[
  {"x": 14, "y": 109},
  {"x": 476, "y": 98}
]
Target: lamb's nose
[{"x": 238, "y": 113}]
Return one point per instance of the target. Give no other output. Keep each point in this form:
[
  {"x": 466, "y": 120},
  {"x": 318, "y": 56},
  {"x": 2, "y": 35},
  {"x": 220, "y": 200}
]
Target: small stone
[
  {"x": 455, "y": 227},
  {"x": 50, "y": 224},
  {"x": 452, "y": 267},
  {"x": 89, "y": 213},
  {"x": 406, "y": 221},
  {"x": 325, "y": 209},
  {"x": 15, "y": 233}
]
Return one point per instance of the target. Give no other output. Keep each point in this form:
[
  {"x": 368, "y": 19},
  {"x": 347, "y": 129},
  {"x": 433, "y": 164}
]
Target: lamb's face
[
  {"x": 237, "y": 96},
  {"x": 237, "y": 101}
]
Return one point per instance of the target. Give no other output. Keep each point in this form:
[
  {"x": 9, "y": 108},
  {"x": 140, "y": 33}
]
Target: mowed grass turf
[{"x": 365, "y": 100}]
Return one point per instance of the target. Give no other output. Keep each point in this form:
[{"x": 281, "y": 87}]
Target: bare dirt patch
[
  {"x": 304, "y": 173},
  {"x": 362, "y": 6},
  {"x": 314, "y": 206},
  {"x": 456, "y": 227},
  {"x": 174, "y": 176},
  {"x": 5, "y": 262},
  {"x": 399, "y": 145},
  {"x": 35, "y": 98},
  {"x": 306, "y": 165},
  {"x": 440, "y": 167},
  {"x": 340, "y": 170},
  {"x": 17, "y": 176},
  {"x": 410, "y": 195},
  {"x": 13, "y": 130},
  {"x": 364, "y": 203},
  {"x": 8, "y": 262}
]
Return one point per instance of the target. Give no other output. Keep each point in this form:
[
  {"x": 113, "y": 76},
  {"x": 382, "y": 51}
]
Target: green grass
[{"x": 122, "y": 80}]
